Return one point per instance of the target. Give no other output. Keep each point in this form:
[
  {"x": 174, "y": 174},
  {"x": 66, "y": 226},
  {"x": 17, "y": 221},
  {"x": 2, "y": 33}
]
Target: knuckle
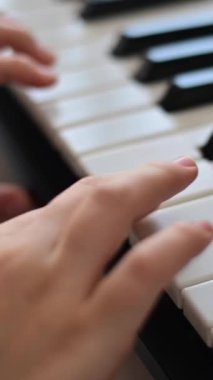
[
  {"x": 90, "y": 182},
  {"x": 101, "y": 190},
  {"x": 109, "y": 195},
  {"x": 162, "y": 169},
  {"x": 104, "y": 193},
  {"x": 142, "y": 267}
]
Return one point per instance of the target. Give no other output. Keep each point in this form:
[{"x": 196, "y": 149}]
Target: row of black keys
[
  {"x": 94, "y": 9},
  {"x": 189, "y": 47}
]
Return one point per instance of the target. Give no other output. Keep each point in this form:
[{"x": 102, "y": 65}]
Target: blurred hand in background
[{"x": 28, "y": 63}]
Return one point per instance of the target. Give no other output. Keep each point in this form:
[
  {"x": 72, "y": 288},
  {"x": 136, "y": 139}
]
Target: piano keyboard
[{"x": 134, "y": 87}]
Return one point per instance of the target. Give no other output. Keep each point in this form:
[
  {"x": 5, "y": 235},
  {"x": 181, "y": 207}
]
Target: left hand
[
  {"x": 26, "y": 65},
  {"x": 13, "y": 201}
]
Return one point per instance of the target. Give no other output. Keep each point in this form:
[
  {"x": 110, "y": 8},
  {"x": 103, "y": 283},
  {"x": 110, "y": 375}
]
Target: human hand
[
  {"x": 13, "y": 201},
  {"x": 27, "y": 65},
  {"x": 60, "y": 317},
  {"x": 24, "y": 67}
]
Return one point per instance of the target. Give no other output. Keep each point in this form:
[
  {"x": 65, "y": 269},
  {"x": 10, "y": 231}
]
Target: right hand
[{"x": 60, "y": 317}]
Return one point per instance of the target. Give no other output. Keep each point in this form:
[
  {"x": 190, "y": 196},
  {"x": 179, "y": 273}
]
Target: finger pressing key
[{"x": 108, "y": 208}]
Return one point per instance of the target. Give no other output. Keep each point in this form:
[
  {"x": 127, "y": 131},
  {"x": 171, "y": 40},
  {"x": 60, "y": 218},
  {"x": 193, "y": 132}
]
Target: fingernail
[
  {"x": 206, "y": 225},
  {"x": 186, "y": 162}
]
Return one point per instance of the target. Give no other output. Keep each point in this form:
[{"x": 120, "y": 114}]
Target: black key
[
  {"x": 207, "y": 149},
  {"x": 101, "y": 8},
  {"x": 189, "y": 90},
  {"x": 140, "y": 37},
  {"x": 165, "y": 61}
]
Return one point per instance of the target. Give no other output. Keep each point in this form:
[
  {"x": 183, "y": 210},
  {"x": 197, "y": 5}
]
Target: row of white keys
[{"x": 191, "y": 288}]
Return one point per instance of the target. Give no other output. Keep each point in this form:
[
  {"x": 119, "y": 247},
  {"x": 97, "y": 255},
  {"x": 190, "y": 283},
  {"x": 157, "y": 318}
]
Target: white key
[
  {"x": 120, "y": 130},
  {"x": 85, "y": 55},
  {"x": 201, "y": 268},
  {"x": 198, "y": 308},
  {"x": 80, "y": 83},
  {"x": 93, "y": 107},
  {"x": 66, "y": 36},
  {"x": 135, "y": 154}
]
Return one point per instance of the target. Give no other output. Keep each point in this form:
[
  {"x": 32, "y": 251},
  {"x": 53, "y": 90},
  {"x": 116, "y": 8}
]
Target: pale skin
[
  {"x": 60, "y": 317},
  {"x": 28, "y": 64}
]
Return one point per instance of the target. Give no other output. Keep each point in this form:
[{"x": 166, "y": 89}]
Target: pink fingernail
[
  {"x": 186, "y": 162},
  {"x": 208, "y": 226}
]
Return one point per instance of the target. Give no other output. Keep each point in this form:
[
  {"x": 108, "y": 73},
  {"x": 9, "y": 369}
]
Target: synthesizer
[{"x": 136, "y": 85}]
